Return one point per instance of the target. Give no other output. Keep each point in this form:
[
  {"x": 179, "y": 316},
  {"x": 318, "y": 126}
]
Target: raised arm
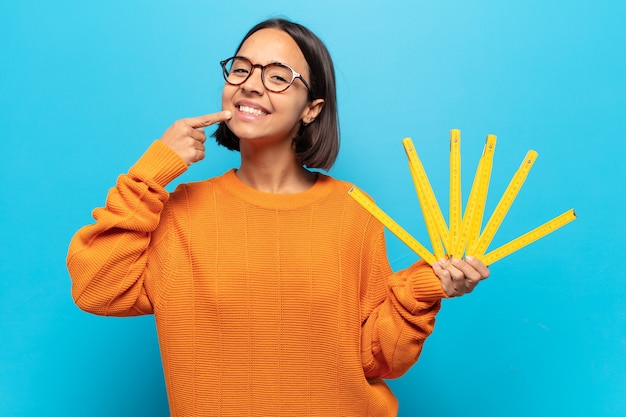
[{"x": 107, "y": 259}]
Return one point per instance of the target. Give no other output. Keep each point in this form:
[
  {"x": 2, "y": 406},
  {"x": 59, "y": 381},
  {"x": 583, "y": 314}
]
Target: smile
[{"x": 252, "y": 110}]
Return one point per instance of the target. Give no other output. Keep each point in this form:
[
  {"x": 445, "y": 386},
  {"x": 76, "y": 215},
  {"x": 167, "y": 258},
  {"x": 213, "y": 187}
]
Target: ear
[{"x": 312, "y": 110}]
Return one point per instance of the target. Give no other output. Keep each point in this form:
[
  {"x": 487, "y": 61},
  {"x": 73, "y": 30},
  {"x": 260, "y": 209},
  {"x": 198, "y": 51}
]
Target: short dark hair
[{"x": 317, "y": 144}]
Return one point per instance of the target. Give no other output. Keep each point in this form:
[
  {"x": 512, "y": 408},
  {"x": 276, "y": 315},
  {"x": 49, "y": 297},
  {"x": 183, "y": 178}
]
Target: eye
[
  {"x": 279, "y": 79},
  {"x": 239, "y": 68},
  {"x": 278, "y": 74}
]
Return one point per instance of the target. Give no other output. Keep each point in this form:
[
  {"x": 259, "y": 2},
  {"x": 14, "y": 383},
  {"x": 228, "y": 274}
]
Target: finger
[
  {"x": 471, "y": 277},
  {"x": 198, "y": 145},
  {"x": 467, "y": 271},
  {"x": 462, "y": 277},
  {"x": 197, "y": 134},
  {"x": 480, "y": 267},
  {"x": 208, "y": 119},
  {"x": 474, "y": 271},
  {"x": 444, "y": 276},
  {"x": 454, "y": 267},
  {"x": 199, "y": 155}
]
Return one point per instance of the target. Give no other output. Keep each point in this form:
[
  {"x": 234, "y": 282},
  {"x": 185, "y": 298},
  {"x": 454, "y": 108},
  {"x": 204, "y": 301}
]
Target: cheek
[
  {"x": 226, "y": 94},
  {"x": 227, "y": 101}
]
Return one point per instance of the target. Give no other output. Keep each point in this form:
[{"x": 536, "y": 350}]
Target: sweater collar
[{"x": 233, "y": 185}]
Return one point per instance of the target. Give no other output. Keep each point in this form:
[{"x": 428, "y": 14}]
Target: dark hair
[{"x": 316, "y": 145}]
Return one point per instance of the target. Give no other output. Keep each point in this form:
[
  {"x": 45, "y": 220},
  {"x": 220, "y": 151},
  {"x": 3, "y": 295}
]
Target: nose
[{"x": 254, "y": 83}]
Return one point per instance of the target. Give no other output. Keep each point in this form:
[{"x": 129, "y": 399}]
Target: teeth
[{"x": 251, "y": 110}]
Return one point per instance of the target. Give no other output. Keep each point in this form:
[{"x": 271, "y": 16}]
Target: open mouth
[{"x": 252, "y": 110}]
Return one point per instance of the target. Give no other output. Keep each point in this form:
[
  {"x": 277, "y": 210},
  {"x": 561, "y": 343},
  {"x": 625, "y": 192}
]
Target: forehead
[{"x": 273, "y": 45}]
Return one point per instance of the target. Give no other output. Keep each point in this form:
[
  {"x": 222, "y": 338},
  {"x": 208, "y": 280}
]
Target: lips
[{"x": 251, "y": 109}]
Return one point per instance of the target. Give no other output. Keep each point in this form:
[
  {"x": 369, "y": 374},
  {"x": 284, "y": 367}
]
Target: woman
[{"x": 270, "y": 286}]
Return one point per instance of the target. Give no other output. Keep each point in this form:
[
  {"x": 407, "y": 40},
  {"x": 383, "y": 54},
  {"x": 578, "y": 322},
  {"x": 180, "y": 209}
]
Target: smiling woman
[
  {"x": 316, "y": 144},
  {"x": 270, "y": 286}
]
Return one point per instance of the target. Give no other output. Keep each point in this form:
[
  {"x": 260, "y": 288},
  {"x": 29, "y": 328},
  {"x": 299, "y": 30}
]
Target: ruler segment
[
  {"x": 528, "y": 238},
  {"x": 435, "y": 239},
  {"x": 393, "y": 227},
  {"x": 433, "y": 233},
  {"x": 475, "y": 207},
  {"x": 455, "y": 194},
  {"x": 503, "y": 206},
  {"x": 431, "y": 206}
]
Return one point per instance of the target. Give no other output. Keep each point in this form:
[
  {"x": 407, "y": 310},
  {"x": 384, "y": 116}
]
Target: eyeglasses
[{"x": 276, "y": 77}]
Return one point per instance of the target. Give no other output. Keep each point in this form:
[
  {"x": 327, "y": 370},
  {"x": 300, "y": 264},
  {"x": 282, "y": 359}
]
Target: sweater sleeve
[
  {"x": 401, "y": 315},
  {"x": 107, "y": 260}
]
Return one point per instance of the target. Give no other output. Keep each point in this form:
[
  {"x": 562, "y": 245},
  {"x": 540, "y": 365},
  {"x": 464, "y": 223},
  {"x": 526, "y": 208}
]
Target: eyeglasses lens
[{"x": 276, "y": 77}]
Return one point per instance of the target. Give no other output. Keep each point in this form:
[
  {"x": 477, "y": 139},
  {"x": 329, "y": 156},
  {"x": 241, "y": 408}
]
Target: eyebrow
[
  {"x": 269, "y": 63},
  {"x": 301, "y": 73}
]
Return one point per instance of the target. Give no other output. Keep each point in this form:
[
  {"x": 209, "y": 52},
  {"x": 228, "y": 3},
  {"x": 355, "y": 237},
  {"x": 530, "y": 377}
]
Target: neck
[{"x": 274, "y": 171}]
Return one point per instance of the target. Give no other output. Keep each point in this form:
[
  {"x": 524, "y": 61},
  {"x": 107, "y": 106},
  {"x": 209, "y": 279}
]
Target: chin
[{"x": 244, "y": 133}]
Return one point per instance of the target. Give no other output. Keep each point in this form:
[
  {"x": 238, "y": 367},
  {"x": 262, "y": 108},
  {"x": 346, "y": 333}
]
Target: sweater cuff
[
  {"x": 425, "y": 285},
  {"x": 159, "y": 164}
]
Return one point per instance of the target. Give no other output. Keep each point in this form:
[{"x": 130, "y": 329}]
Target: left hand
[{"x": 460, "y": 276}]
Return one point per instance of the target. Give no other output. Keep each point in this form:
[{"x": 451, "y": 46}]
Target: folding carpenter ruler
[{"x": 463, "y": 235}]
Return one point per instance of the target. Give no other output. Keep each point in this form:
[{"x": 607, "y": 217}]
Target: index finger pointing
[{"x": 208, "y": 119}]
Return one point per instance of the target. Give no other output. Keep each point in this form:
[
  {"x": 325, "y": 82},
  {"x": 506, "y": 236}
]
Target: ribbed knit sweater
[{"x": 265, "y": 304}]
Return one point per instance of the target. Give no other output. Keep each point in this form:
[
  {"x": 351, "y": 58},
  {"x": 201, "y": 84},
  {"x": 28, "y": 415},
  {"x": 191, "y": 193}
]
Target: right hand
[{"x": 186, "y": 137}]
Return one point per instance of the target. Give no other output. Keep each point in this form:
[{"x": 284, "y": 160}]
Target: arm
[
  {"x": 107, "y": 260},
  {"x": 395, "y": 329}
]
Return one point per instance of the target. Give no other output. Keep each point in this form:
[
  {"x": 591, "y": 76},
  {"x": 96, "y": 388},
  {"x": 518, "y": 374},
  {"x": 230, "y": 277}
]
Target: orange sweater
[{"x": 265, "y": 304}]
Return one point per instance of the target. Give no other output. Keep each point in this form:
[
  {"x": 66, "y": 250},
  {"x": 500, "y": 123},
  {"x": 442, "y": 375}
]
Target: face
[{"x": 261, "y": 114}]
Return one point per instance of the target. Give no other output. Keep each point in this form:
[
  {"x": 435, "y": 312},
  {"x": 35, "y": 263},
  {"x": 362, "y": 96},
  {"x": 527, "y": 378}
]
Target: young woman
[{"x": 270, "y": 285}]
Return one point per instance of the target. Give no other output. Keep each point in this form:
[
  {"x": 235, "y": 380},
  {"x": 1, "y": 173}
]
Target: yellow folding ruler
[
  {"x": 463, "y": 236},
  {"x": 390, "y": 224}
]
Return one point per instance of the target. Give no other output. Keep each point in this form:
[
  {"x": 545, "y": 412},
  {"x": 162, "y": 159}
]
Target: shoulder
[
  {"x": 347, "y": 189},
  {"x": 354, "y": 200},
  {"x": 199, "y": 189},
  {"x": 337, "y": 185}
]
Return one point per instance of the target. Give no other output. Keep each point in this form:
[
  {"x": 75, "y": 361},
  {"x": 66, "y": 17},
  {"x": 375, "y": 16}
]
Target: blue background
[{"x": 86, "y": 86}]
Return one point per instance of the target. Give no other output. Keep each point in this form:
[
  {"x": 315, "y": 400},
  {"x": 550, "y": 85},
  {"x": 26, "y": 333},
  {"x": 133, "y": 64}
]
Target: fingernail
[
  {"x": 227, "y": 113},
  {"x": 469, "y": 258}
]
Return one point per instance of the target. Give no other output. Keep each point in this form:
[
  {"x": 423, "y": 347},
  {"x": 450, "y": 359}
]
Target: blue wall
[{"x": 86, "y": 86}]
